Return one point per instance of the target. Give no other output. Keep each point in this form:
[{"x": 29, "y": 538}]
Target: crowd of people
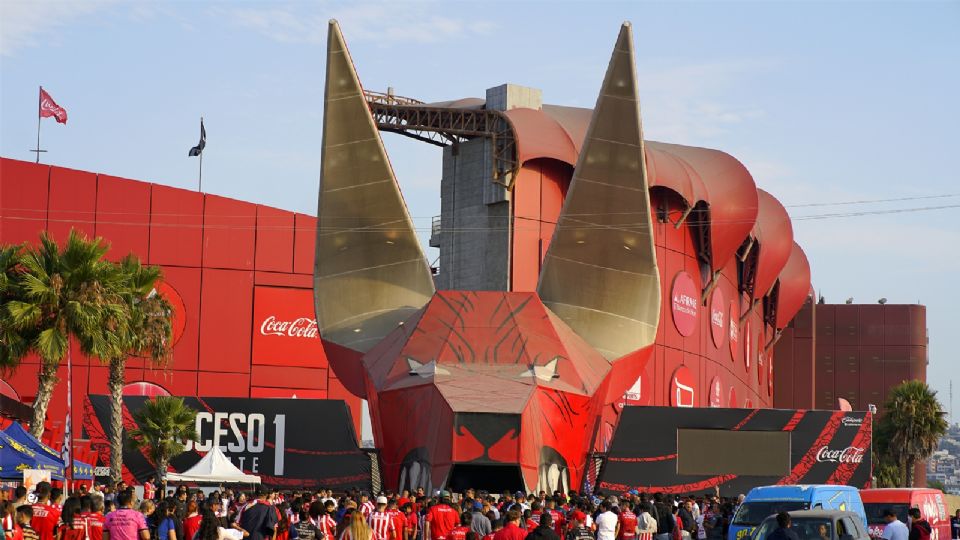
[{"x": 103, "y": 513}]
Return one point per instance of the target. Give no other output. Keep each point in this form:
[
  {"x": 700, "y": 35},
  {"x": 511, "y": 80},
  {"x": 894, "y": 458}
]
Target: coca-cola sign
[
  {"x": 285, "y": 328},
  {"x": 302, "y": 327},
  {"x": 850, "y": 454}
]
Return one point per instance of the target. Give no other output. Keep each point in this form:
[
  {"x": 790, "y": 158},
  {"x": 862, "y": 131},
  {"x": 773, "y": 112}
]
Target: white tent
[{"x": 214, "y": 467}]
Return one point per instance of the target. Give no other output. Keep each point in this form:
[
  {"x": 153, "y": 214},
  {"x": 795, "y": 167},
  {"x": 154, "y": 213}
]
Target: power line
[{"x": 874, "y": 201}]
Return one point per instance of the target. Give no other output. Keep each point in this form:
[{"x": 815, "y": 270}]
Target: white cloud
[
  {"x": 25, "y": 24},
  {"x": 382, "y": 22}
]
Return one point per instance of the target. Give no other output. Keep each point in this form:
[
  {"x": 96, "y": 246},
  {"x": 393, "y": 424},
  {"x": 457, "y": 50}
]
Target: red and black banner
[
  {"x": 681, "y": 450},
  {"x": 305, "y": 443}
]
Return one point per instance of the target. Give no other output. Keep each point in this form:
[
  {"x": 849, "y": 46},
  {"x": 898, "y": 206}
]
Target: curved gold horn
[
  {"x": 600, "y": 273},
  {"x": 370, "y": 273}
]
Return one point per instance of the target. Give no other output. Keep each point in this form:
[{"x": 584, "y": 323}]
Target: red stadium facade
[{"x": 241, "y": 276}]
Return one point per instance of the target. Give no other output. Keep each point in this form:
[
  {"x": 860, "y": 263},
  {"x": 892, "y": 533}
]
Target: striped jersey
[{"x": 381, "y": 525}]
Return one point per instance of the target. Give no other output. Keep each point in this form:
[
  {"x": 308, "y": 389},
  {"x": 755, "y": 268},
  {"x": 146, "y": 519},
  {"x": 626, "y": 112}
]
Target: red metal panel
[
  {"x": 72, "y": 203},
  {"x": 285, "y": 377},
  {"x": 223, "y": 384},
  {"x": 918, "y": 325},
  {"x": 526, "y": 191},
  {"x": 23, "y": 200},
  {"x": 918, "y": 363},
  {"x": 847, "y": 379},
  {"x": 298, "y": 281},
  {"x": 526, "y": 254},
  {"x": 554, "y": 182},
  {"x": 274, "y": 239},
  {"x": 794, "y": 286},
  {"x": 803, "y": 322},
  {"x": 178, "y": 383},
  {"x": 672, "y": 359},
  {"x": 848, "y": 324},
  {"x": 176, "y": 226},
  {"x": 825, "y": 376},
  {"x": 826, "y": 321},
  {"x": 229, "y": 232},
  {"x": 546, "y": 235},
  {"x": 670, "y": 267},
  {"x": 783, "y": 369},
  {"x": 123, "y": 216},
  {"x": 225, "y": 321},
  {"x": 896, "y": 362},
  {"x": 872, "y": 327},
  {"x": 872, "y": 390},
  {"x": 694, "y": 343},
  {"x": 185, "y": 284},
  {"x": 287, "y": 393},
  {"x": 304, "y": 246},
  {"x": 895, "y": 325},
  {"x": 803, "y": 373}
]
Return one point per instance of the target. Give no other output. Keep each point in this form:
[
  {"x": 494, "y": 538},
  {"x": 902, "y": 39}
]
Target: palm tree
[
  {"x": 164, "y": 424},
  {"x": 148, "y": 334},
  {"x": 64, "y": 295},
  {"x": 915, "y": 422},
  {"x": 13, "y": 344}
]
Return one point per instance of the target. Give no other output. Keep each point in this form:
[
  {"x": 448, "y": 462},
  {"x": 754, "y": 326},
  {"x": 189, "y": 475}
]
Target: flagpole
[
  {"x": 200, "y": 174},
  {"x": 39, "y": 107}
]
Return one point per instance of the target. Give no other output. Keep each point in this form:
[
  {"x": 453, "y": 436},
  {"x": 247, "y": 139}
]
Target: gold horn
[
  {"x": 370, "y": 273},
  {"x": 600, "y": 273}
]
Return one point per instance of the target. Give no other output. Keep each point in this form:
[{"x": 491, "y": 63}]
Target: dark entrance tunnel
[{"x": 492, "y": 478}]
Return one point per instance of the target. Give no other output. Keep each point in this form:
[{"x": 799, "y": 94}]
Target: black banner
[
  {"x": 825, "y": 447},
  {"x": 287, "y": 442}
]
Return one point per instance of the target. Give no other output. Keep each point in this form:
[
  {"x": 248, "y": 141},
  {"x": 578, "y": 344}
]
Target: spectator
[
  {"x": 579, "y": 529},
  {"x": 72, "y": 524},
  {"x": 191, "y": 523},
  {"x": 125, "y": 523},
  {"x": 783, "y": 530},
  {"x": 169, "y": 526},
  {"x": 45, "y": 515},
  {"x": 479, "y": 522},
  {"x": 441, "y": 518},
  {"x": 381, "y": 523},
  {"x": 511, "y": 530},
  {"x": 544, "y": 530},
  {"x": 920, "y": 529},
  {"x": 894, "y": 528},
  {"x": 24, "y": 520},
  {"x": 608, "y": 524},
  {"x": 258, "y": 519}
]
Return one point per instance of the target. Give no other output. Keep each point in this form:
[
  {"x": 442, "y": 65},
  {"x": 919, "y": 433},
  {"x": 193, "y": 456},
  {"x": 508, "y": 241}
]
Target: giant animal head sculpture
[{"x": 486, "y": 386}]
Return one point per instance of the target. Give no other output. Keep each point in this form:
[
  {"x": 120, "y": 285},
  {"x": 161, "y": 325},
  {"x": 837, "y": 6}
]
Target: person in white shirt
[
  {"x": 894, "y": 529},
  {"x": 608, "y": 523}
]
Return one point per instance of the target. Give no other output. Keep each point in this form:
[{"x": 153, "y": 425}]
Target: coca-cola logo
[
  {"x": 303, "y": 327},
  {"x": 850, "y": 421},
  {"x": 850, "y": 454}
]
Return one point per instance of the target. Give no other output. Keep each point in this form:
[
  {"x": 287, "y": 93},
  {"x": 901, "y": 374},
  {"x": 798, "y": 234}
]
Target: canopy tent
[
  {"x": 15, "y": 457},
  {"x": 81, "y": 470},
  {"x": 214, "y": 467}
]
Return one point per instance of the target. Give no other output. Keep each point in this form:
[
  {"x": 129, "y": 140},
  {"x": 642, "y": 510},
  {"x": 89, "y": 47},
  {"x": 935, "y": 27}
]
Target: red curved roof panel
[
  {"x": 774, "y": 234},
  {"x": 539, "y": 135},
  {"x": 794, "y": 286}
]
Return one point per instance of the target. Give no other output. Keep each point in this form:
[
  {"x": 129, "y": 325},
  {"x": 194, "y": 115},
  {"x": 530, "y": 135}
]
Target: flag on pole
[
  {"x": 198, "y": 149},
  {"x": 49, "y": 107}
]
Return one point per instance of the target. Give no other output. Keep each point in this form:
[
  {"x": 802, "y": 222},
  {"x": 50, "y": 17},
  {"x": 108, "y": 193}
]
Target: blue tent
[
  {"x": 15, "y": 457},
  {"x": 81, "y": 471}
]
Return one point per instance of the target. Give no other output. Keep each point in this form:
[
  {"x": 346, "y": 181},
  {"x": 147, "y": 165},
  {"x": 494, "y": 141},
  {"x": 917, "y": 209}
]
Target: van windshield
[
  {"x": 806, "y": 529},
  {"x": 875, "y": 512},
  {"x": 754, "y": 512}
]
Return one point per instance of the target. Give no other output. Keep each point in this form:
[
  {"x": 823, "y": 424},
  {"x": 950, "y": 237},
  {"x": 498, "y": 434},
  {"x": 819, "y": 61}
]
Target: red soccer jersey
[
  {"x": 510, "y": 531},
  {"x": 399, "y": 523},
  {"x": 458, "y": 533},
  {"x": 442, "y": 520},
  {"x": 191, "y": 525},
  {"x": 45, "y": 520},
  {"x": 488, "y": 536},
  {"x": 367, "y": 508},
  {"x": 628, "y": 525},
  {"x": 94, "y": 524},
  {"x": 559, "y": 522},
  {"x": 381, "y": 524},
  {"x": 327, "y": 526},
  {"x": 412, "y": 524}
]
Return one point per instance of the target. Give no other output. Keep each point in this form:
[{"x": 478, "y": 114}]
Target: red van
[{"x": 930, "y": 502}]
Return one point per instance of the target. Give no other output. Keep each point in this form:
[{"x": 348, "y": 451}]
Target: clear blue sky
[{"x": 823, "y": 102}]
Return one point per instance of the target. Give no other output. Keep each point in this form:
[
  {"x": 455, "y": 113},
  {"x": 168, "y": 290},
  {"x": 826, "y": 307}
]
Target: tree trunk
[
  {"x": 115, "y": 383},
  {"x": 162, "y": 464},
  {"x": 911, "y": 465},
  {"x": 46, "y": 382}
]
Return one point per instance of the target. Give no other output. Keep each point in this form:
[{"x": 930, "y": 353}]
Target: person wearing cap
[
  {"x": 579, "y": 529},
  {"x": 894, "y": 528},
  {"x": 381, "y": 522},
  {"x": 441, "y": 519},
  {"x": 479, "y": 523}
]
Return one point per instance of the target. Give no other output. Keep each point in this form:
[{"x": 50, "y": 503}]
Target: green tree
[
  {"x": 164, "y": 424},
  {"x": 147, "y": 334},
  {"x": 13, "y": 344},
  {"x": 64, "y": 295},
  {"x": 911, "y": 427}
]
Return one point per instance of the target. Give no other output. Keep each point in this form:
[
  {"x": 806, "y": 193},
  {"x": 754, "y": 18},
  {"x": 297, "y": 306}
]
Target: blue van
[{"x": 764, "y": 501}]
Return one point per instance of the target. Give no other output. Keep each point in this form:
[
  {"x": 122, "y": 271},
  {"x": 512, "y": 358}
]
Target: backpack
[{"x": 923, "y": 529}]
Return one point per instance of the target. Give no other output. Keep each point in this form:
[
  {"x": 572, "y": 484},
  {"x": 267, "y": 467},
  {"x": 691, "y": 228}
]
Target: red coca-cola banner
[
  {"x": 49, "y": 107},
  {"x": 285, "y": 328}
]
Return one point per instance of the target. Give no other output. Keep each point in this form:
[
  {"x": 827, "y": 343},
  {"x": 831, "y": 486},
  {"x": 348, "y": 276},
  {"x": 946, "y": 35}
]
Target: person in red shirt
[
  {"x": 628, "y": 522},
  {"x": 512, "y": 530},
  {"x": 150, "y": 491},
  {"x": 45, "y": 516},
  {"x": 191, "y": 523},
  {"x": 399, "y": 520},
  {"x": 441, "y": 519},
  {"x": 410, "y": 527},
  {"x": 91, "y": 510},
  {"x": 322, "y": 517},
  {"x": 460, "y": 532},
  {"x": 535, "y": 512},
  {"x": 496, "y": 525},
  {"x": 559, "y": 522}
]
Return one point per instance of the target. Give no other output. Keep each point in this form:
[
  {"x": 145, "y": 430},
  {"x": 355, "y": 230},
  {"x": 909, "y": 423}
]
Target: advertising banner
[
  {"x": 287, "y": 442},
  {"x": 705, "y": 449},
  {"x": 32, "y": 477}
]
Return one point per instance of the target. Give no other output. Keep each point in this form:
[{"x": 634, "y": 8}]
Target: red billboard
[{"x": 285, "y": 328}]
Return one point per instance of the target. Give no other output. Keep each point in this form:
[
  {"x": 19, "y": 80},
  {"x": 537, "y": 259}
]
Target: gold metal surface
[
  {"x": 370, "y": 273},
  {"x": 600, "y": 273}
]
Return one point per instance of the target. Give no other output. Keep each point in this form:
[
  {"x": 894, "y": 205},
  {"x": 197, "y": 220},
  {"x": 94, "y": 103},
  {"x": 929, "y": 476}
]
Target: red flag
[{"x": 49, "y": 107}]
